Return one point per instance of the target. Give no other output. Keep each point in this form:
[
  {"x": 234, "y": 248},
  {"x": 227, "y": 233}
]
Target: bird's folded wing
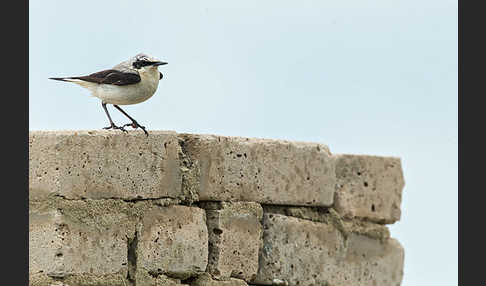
[{"x": 111, "y": 77}]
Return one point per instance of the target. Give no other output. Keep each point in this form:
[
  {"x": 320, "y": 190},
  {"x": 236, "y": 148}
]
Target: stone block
[
  {"x": 260, "y": 170},
  {"x": 297, "y": 250},
  {"x": 369, "y": 261},
  {"x": 234, "y": 239},
  {"x": 173, "y": 240},
  {"x": 369, "y": 187},
  {"x": 103, "y": 164},
  {"x": 78, "y": 238},
  {"x": 302, "y": 252}
]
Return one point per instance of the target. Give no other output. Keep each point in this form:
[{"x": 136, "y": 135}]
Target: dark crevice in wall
[
  {"x": 170, "y": 200},
  {"x": 189, "y": 280},
  {"x": 190, "y": 174},
  {"x": 148, "y": 199},
  {"x": 132, "y": 258},
  {"x": 214, "y": 239},
  {"x": 315, "y": 214}
]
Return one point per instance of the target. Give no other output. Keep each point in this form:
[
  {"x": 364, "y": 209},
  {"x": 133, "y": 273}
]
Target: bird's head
[{"x": 145, "y": 62}]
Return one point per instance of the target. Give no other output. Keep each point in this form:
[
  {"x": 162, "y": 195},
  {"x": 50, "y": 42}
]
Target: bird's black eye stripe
[{"x": 141, "y": 63}]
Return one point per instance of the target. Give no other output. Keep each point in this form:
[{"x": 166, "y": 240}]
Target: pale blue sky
[{"x": 365, "y": 77}]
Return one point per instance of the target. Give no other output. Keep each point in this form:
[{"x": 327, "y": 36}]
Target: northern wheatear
[{"x": 130, "y": 82}]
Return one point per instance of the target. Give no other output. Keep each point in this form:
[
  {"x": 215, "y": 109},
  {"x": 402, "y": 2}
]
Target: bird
[{"x": 129, "y": 82}]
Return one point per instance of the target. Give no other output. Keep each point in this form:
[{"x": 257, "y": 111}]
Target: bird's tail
[
  {"x": 60, "y": 78},
  {"x": 76, "y": 80},
  {"x": 71, "y": 79}
]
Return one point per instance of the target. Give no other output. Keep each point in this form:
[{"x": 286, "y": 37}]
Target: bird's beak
[{"x": 159, "y": 63}]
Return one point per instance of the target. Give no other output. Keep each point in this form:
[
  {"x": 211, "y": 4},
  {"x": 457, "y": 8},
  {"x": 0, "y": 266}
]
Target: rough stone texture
[
  {"x": 317, "y": 214},
  {"x": 330, "y": 216},
  {"x": 297, "y": 250},
  {"x": 76, "y": 237},
  {"x": 264, "y": 171},
  {"x": 206, "y": 280},
  {"x": 145, "y": 279},
  {"x": 79, "y": 280},
  {"x": 174, "y": 241},
  {"x": 372, "y": 261},
  {"x": 234, "y": 239},
  {"x": 104, "y": 209},
  {"x": 103, "y": 164},
  {"x": 302, "y": 252},
  {"x": 369, "y": 187}
]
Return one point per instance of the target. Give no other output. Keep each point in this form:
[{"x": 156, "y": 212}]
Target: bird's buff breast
[{"x": 129, "y": 94}]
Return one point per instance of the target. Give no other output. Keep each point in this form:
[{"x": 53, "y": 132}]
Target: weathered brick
[
  {"x": 371, "y": 262},
  {"x": 173, "y": 240},
  {"x": 76, "y": 238},
  {"x": 302, "y": 252},
  {"x": 263, "y": 171},
  {"x": 103, "y": 164},
  {"x": 369, "y": 187},
  {"x": 234, "y": 239},
  {"x": 297, "y": 250}
]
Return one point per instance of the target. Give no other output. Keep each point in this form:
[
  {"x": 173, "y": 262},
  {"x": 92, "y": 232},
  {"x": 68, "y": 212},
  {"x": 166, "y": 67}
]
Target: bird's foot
[
  {"x": 113, "y": 126},
  {"x": 135, "y": 125}
]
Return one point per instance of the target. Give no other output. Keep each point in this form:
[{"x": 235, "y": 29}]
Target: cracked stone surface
[
  {"x": 109, "y": 208},
  {"x": 303, "y": 252},
  {"x": 103, "y": 164},
  {"x": 369, "y": 187},
  {"x": 234, "y": 239},
  {"x": 206, "y": 280},
  {"x": 262, "y": 170},
  {"x": 76, "y": 237},
  {"x": 174, "y": 241}
]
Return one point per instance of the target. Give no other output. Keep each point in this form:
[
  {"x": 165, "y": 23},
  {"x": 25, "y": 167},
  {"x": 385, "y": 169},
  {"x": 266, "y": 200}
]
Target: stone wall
[{"x": 109, "y": 208}]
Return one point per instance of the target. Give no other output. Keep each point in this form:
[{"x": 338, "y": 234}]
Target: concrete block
[
  {"x": 297, "y": 250},
  {"x": 206, "y": 280},
  {"x": 369, "y": 187},
  {"x": 302, "y": 252},
  {"x": 234, "y": 239},
  {"x": 103, "y": 164},
  {"x": 263, "y": 171},
  {"x": 371, "y": 262},
  {"x": 174, "y": 241},
  {"x": 78, "y": 238}
]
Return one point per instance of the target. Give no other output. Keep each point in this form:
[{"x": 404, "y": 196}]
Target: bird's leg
[
  {"x": 112, "y": 125},
  {"x": 134, "y": 123}
]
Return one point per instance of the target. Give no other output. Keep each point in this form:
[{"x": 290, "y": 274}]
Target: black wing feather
[{"x": 111, "y": 77}]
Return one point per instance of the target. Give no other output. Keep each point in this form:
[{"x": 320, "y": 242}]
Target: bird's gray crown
[
  {"x": 135, "y": 62},
  {"x": 142, "y": 57}
]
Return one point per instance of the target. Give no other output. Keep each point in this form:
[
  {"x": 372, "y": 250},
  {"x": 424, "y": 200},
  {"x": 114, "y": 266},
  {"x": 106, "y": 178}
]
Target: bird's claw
[
  {"x": 135, "y": 125},
  {"x": 113, "y": 126}
]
